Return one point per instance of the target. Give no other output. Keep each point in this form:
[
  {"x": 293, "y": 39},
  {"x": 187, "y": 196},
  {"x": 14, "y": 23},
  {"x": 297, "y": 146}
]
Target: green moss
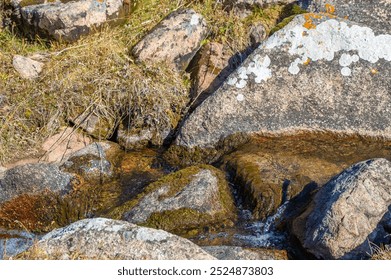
[
  {"x": 184, "y": 221},
  {"x": 287, "y": 16},
  {"x": 282, "y": 24}
]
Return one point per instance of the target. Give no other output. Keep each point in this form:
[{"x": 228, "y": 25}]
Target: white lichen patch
[
  {"x": 346, "y": 71},
  {"x": 195, "y": 19},
  {"x": 257, "y": 68},
  {"x": 240, "y": 97},
  {"x": 326, "y": 40}
]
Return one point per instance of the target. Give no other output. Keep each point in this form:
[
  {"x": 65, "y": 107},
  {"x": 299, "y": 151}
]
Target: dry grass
[
  {"x": 97, "y": 73},
  {"x": 381, "y": 253}
]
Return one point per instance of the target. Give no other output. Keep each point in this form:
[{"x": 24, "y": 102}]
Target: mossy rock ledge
[{"x": 186, "y": 202}]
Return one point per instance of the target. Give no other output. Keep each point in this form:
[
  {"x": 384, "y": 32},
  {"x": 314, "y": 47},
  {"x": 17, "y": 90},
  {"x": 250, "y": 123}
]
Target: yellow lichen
[{"x": 330, "y": 9}]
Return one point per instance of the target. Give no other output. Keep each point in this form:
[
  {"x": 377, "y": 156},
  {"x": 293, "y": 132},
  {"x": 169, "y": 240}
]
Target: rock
[
  {"x": 69, "y": 21},
  {"x": 317, "y": 74},
  {"x": 238, "y": 253},
  {"x": 130, "y": 139},
  {"x": 183, "y": 202},
  {"x": 342, "y": 221},
  {"x": 375, "y": 13},
  {"x": 13, "y": 242},
  {"x": 34, "y": 179},
  {"x": 258, "y": 34},
  {"x": 175, "y": 40},
  {"x": 27, "y": 67},
  {"x": 267, "y": 180},
  {"x": 99, "y": 125},
  {"x": 61, "y": 145},
  {"x": 212, "y": 68},
  {"x": 110, "y": 239},
  {"x": 95, "y": 162}
]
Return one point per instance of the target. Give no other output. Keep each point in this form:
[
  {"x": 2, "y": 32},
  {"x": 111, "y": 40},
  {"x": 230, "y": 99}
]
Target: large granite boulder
[
  {"x": 319, "y": 73},
  {"x": 67, "y": 20},
  {"x": 174, "y": 41},
  {"x": 343, "y": 220},
  {"x": 374, "y": 13},
  {"x": 184, "y": 202},
  {"x": 110, "y": 239}
]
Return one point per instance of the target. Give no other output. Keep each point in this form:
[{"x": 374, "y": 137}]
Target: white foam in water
[{"x": 264, "y": 233}]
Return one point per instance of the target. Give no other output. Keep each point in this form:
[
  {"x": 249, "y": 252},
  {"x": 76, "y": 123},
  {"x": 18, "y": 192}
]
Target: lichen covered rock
[
  {"x": 110, "y": 239},
  {"x": 319, "y": 73},
  {"x": 183, "y": 202},
  {"x": 343, "y": 219},
  {"x": 175, "y": 40},
  {"x": 374, "y": 13}
]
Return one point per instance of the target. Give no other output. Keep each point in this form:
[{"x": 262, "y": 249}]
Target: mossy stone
[{"x": 184, "y": 221}]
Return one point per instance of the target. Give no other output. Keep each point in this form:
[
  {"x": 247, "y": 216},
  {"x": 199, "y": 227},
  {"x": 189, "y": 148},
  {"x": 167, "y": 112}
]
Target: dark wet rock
[
  {"x": 183, "y": 202},
  {"x": 344, "y": 217},
  {"x": 374, "y": 13},
  {"x": 66, "y": 21},
  {"x": 267, "y": 180},
  {"x": 33, "y": 179},
  {"x": 96, "y": 162},
  {"x": 110, "y": 239},
  {"x": 239, "y": 253},
  {"x": 175, "y": 40},
  {"x": 13, "y": 242},
  {"x": 319, "y": 73}
]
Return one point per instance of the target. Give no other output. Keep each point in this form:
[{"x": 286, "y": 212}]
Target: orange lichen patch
[
  {"x": 309, "y": 20},
  {"x": 307, "y": 61},
  {"x": 346, "y": 17},
  {"x": 330, "y": 9}
]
